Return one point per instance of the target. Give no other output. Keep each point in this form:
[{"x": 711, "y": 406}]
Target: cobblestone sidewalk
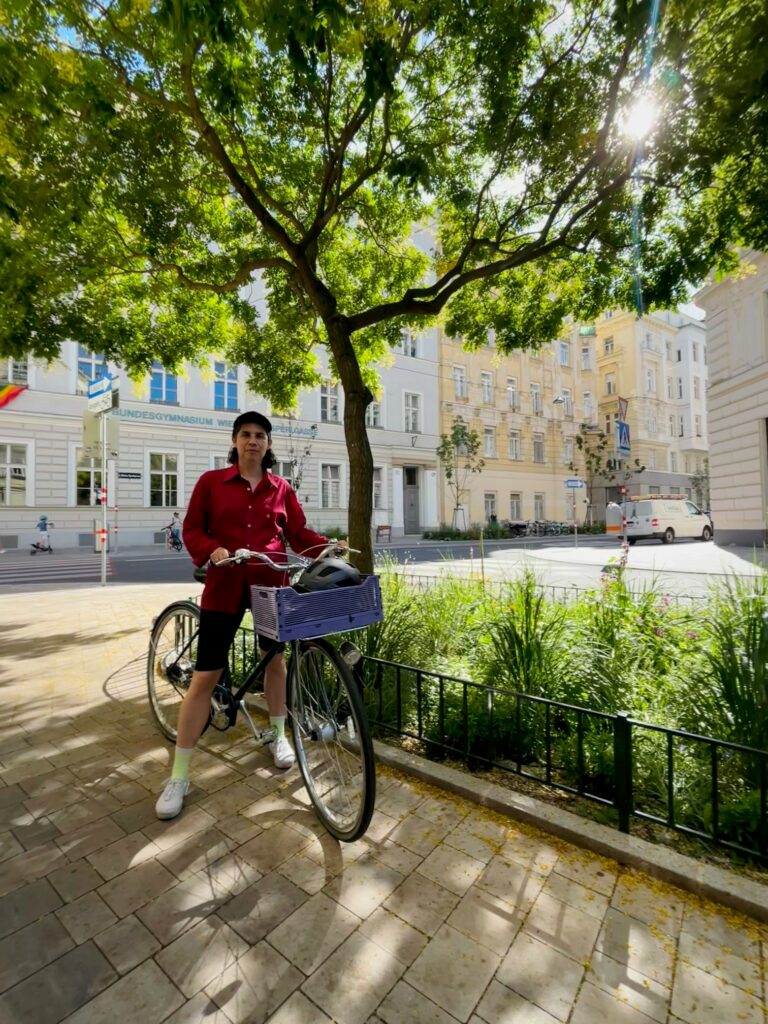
[{"x": 244, "y": 911}]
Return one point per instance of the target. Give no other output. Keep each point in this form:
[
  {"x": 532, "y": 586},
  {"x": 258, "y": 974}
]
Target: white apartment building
[
  {"x": 173, "y": 428},
  {"x": 737, "y": 332}
]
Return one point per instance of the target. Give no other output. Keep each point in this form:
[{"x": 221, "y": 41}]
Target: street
[{"x": 686, "y": 567}]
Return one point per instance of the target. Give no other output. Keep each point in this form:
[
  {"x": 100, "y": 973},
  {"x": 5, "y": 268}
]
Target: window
[
  {"x": 681, "y": 426},
  {"x": 90, "y": 366},
  {"x": 538, "y": 448},
  {"x": 13, "y": 474},
  {"x": 586, "y": 358},
  {"x": 697, "y": 425},
  {"x": 671, "y": 426},
  {"x": 408, "y": 344},
  {"x": 284, "y": 468},
  {"x": 651, "y": 458},
  {"x": 695, "y": 352},
  {"x": 512, "y": 399},
  {"x": 163, "y": 386},
  {"x": 668, "y": 349},
  {"x": 221, "y": 462},
  {"x": 14, "y": 371},
  {"x": 515, "y": 506},
  {"x": 608, "y": 346},
  {"x": 459, "y": 382},
  {"x": 489, "y": 441},
  {"x": 568, "y": 450},
  {"x": 565, "y": 353},
  {"x": 588, "y": 410},
  {"x": 489, "y": 503},
  {"x": 377, "y": 487},
  {"x": 670, "y": 393},
  {"x": 650, "y": 380},
  {"x": 673, "y": 462},
  {"x": 679, "y": 355},
  {"x": 538, "y": 507},
  {"x": 674, "y": 490},
  {"x": 486, "y": 381},
  {"x": 610, "y": 384},
  {"x": 373, "y": 415},
  {"x": 697, "y": 387},
  {"x": 87, "y": 480},
  {"x": 567, "y": 402},
  {"x": 225, "y": 387},
  {"x": 654, "y": 489},
  {"x": 514, "y": 445},
  {"x": 330, "y": 486},
  {"x": 163, "y": 480},
  {"x": 412, "y": 413},
  {"x": 679, "y": 387},
  {"x": 329, "y": 402},
  {"x": 536, "y": 398}
]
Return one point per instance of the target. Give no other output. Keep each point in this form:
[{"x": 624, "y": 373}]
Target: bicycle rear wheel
[
  {"x": 170, "y": 662},
  {"x": 333, "y": 744}
]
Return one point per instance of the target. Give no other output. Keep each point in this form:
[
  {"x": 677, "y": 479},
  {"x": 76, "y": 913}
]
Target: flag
[{"x": 8, "y": 392}]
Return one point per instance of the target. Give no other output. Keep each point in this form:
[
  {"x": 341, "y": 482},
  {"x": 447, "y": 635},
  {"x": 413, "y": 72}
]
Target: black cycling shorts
[{"x": 217, "y": 631}]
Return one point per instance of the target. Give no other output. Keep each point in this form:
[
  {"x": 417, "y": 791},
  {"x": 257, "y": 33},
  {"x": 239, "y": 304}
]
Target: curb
[{"x": 706, "y": 880}]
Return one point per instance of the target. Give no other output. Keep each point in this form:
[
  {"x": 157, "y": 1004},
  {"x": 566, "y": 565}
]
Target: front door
[{"x": 411, "y": 499}]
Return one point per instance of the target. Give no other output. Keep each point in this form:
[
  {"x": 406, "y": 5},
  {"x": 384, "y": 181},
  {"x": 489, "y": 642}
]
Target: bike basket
[{"x": 282, "y": 613}]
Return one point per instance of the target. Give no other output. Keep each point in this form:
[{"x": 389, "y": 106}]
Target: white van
[{"x": 665, "y": 517}]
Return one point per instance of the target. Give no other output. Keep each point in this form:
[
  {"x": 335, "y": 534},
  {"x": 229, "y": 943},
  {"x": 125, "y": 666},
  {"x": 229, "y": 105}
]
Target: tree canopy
[{"x": 160, "y": 160}]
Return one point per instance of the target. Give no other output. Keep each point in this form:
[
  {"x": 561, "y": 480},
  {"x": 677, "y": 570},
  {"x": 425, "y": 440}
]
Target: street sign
[
  {"x": 623, "y": 410},
  {"x": 100, "y": 394},
  {"x": 574, "y": 484},
  {"x": 623, "y": 445}
]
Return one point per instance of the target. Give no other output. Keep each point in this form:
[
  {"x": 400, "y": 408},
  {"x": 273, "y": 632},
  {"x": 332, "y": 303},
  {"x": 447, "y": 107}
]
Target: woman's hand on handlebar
[{"x": 218, "y": 555}]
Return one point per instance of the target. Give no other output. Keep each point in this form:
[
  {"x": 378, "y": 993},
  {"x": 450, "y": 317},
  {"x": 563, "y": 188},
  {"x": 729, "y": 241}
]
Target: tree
[
  {"x": 299, "y": 449},
  {"x": 599, "y": 465},
  {"x": 159, "y": 158},
  {"x": 458, "y": 455},
  {"x": 700, "y": 485}
]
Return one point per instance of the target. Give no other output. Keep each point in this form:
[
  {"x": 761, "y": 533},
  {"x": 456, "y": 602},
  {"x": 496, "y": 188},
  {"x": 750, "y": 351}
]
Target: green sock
[
  {"x": 278, "y": 724},
  {"x": 181, "y": 760}
]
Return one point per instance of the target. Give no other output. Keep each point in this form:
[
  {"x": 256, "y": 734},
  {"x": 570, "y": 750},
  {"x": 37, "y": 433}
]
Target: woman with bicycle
[{"x": 243, "y": 506}]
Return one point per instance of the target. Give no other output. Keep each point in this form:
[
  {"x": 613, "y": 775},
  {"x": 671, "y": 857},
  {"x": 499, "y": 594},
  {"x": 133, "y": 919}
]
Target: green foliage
[{"x": 459, "y": 456}]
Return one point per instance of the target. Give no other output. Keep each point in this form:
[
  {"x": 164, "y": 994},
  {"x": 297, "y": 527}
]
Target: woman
[{"x": 243, "y": 506}]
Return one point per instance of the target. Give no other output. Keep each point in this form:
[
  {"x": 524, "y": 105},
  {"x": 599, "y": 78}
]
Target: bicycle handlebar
[{"x": 299, "y": 561}]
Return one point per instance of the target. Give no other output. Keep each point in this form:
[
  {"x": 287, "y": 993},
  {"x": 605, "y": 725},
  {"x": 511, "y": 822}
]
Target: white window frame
[
  {"x": 536, "y": 406},
  {"x": 490, "y": 505},
  {"x": 489, "y": 442},
  {"x": 539, "y": 506},
  {"x": 565, "y": 394},
  {"x": 610, "y": 384},
  {"x": 650, "y": 380},
  {"x": 15, "y": 371},
  {"x": 567, "y": 450},
  {"x": 411, "y": 423},
  {"x": 513, "y": 396},
  {"x": 223, "y": 377},
  {"x": 373, "y": 415},
  {"x": 608, "y": 345},
  {"x": 516, "y": 505},
  {"x": 217, "y": 461},
  {"x": 673, "y": 462},
  {"x": 513, "y": 445},
  {"x": 331, "y": 480},
  {"x": 697, "y": 387},
  {"x": 679, "y": 387},
  {"x": 564, "y": 353},
  {"x": 586, "y": 357},
  {"x": 94, "y": 359},
  {"x": 29, "y": 488},
  {"x": 158, "y": 449},
  {"x": 166, "y": 376},
  {"x": 681, "y": 426},
  {"x": 651, "y": 458},
  {"x": 408, "y": 345},
  {"x": 539, "y": 448},
  {"x": 588, "y": 410},
  {"x": 460, "y": 387},
  {"x": 486, "y": 383},
  {"x": 379, "y": 481},
  {"x": 330, "y": 404},
  {"x": 698, "y": 426}
]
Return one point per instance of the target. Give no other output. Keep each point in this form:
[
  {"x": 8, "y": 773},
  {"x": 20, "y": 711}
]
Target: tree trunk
[{"x": 357, "y": 397}]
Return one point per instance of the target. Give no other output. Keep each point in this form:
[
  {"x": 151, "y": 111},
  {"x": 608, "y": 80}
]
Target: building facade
[
  {"x": 172, "y": 428},
  {"x": 737, "y": 331}
]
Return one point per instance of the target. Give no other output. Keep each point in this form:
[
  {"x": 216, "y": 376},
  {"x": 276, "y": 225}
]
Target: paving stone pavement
[{"x": 244, "y": 911}]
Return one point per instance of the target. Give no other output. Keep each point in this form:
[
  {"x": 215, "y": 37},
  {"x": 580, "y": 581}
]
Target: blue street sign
[
  {"x": 574, "y": 483},
  {"x": 623, "y": 446}
]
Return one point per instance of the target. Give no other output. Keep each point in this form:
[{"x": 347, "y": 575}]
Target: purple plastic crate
[{"x": 282, "y": 613}]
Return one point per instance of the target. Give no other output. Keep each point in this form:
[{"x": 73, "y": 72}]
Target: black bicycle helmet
[{"x": 326, "y": 573}]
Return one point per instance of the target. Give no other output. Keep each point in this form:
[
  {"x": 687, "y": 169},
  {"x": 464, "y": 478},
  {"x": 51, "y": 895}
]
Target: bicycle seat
[{"x": 199, "y": 573}]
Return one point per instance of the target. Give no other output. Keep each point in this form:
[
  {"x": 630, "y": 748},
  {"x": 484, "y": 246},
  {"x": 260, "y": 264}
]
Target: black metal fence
[{"x": 703, "y": 787}]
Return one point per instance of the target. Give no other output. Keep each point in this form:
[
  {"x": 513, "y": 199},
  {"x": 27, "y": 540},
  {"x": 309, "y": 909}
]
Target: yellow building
[
  {"x": 657, "y": 364},
  {"x": 527, "y": 409}
]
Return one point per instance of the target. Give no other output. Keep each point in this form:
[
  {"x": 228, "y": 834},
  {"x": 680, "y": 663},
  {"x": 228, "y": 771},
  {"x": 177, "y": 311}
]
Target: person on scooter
[{"x": 43, "y": 542}]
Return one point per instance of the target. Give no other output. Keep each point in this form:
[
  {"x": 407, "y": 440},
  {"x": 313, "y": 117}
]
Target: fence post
[{"x": 622, "y": 767}]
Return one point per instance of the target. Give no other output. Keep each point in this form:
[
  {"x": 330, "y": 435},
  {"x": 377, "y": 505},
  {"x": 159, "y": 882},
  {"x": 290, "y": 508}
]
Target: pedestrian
[{"x": 242, "y": 506}]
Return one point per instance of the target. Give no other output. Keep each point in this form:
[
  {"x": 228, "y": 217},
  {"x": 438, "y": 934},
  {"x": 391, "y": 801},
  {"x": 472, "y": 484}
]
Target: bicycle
[
  {"x": 172, "y": 540},
  {"x": 334, "y": 750}
]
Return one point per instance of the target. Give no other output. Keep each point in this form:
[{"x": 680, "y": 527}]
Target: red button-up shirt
[{"x": 224, "y": 512}]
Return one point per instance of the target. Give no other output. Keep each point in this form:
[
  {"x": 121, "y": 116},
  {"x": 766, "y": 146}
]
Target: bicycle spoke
[{"x": 172, "y": 655}]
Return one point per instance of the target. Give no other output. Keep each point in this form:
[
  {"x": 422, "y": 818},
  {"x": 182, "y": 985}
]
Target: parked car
[{"x": 664, "y": 518}]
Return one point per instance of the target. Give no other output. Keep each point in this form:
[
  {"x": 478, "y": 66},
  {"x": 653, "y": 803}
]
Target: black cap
[{"x": 251, "y": 417}]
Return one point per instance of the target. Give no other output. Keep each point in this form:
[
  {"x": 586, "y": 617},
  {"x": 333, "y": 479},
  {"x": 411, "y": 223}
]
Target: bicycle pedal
[{"x": 265, "y": 736}]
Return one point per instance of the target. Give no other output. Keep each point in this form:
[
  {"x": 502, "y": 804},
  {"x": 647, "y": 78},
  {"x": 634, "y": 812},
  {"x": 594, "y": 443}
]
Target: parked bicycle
[
  {"x": 172, "y": 539},
  {"x": 333, "y": 744}
]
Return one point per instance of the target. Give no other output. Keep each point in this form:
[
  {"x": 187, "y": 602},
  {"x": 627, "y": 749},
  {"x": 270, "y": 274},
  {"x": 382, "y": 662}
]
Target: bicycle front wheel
[
  {"x": 170, "y": 662},
  {"x": 333, "y": 744}
]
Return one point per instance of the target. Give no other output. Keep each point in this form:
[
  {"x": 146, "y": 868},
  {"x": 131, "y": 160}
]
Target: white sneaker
[
  {"x": 282, "y": 753},
  {"x": 171, "y": 800}
]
